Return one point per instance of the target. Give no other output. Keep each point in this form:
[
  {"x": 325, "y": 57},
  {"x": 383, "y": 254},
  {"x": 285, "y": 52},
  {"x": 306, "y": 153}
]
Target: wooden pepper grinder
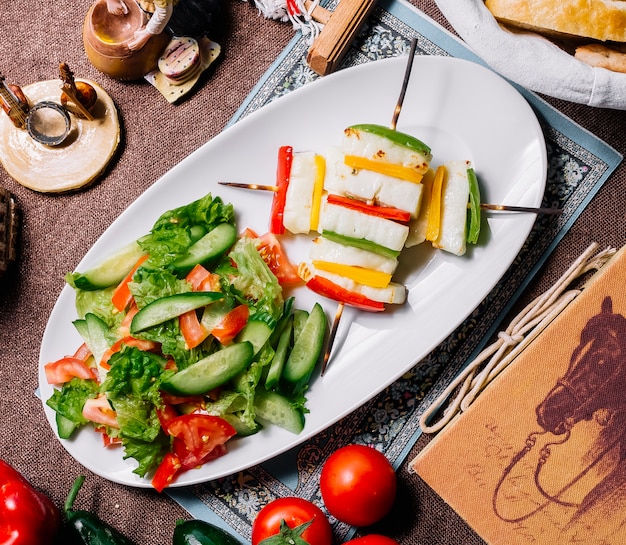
[{"x": 340, "y": 27}]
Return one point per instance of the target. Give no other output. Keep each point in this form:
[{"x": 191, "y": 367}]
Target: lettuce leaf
[
  {"x": 254, "y": 283},
  {"x": 177, "y": 229},
  {"x": 132, "y": 387}
]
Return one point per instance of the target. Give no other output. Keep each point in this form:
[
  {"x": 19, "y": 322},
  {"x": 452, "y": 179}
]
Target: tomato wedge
[
  {"x": 192, "y": 330},
  {"x": 230, "y": 324},
  {"x": 276, "y": 259},
  {"x": 83, "y": 353},
  {"x": 166, "y": 472},
  {"x": 99, "y": 410},
  {"x": 202, "y": 279},
  {"x": 283, "y": 171},
  {"x": 65, "y": 369},
  {"x": 326, "y": 288},
  {"x": 386, "y": 212},
  {"x": 198, "y": 437}
]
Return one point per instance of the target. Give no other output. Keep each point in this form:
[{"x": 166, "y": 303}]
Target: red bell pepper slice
[
  {"x": 386, "y": 212},
  {"x": 122, "y": 297},
  {"x": 283, "y": 171},
  {"x": 65, "y": 369},
  {"x": 326, "y": 288}
]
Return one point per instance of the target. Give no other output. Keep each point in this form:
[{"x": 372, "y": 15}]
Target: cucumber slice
[
  {"x": 280, "y": 356},
  {"x": 213, "y": 244},
  {"x": 256, "y": 332},
  {"x": 307, "y": 348},
  {"x": 169, "y": 307},
  {"x": 95, "y": 332},
  {"x": 215, "y": 312},
  {"x": 242, "y": 428},
  {"x": 65, "y": 427},
  {"x": 299, "y": 319},
  {"x": 276, "y": 409},
  {"x": 110, "y": 272},
  {"x": 212, "y": 371}
]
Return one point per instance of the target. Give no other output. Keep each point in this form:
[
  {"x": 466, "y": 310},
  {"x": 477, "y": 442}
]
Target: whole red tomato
[
  {"x": 358, "y": 485},
  {"x": 372, "y": 539},
  {"x": 295, "y": 512}
]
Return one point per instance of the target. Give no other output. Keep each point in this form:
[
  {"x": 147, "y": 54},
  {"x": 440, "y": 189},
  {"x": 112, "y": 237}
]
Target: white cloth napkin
[{"x": 533, "y": 61}]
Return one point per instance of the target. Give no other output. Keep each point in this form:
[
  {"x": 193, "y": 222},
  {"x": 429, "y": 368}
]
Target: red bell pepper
[
  {"x": 283, "y": 171},
  {"x": 386, "y": 212},
  {"x": 26, "y": 515},
  {"x": 326, "y": 288}
]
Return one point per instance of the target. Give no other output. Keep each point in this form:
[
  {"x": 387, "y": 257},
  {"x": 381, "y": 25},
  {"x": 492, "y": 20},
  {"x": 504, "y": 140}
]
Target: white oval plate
[{"x": 463, "y": 111}]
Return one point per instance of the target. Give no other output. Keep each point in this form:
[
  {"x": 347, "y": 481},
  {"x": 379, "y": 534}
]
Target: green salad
[{"x": 188, "y": 342}]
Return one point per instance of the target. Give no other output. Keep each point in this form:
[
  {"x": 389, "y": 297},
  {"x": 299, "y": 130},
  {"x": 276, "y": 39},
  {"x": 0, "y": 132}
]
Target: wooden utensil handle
[{"x": 335, "y": 38}]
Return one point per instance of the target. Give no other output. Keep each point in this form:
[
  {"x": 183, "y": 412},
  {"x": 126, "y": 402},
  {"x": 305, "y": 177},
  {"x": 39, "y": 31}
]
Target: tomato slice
[
  {"x": 65, "y": 369},
  {"x": 202, "y": 279},
  {"x": 166, "y": 472},
  {"x": 122, "y": 297},
  {"x": 283, "y": 171},
  {"x": 324, "y": 287},
  {"x": 199, "y": 437},
  {"x": 99, "y": 410},
  {"x": 386, "y": 212},
  {"x": 147, "y": 346},
  {"x": 230, "y": 324},
  {"x": 83, "y": 352},
  {"x": 107, "y": 440},
  {"x": 276, "y": 259}
]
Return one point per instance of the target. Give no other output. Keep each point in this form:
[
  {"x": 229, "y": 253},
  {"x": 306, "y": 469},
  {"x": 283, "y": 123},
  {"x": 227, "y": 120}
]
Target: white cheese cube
[
  {"x": 299, "y": 199},
  {"x": 352, "y": 223},
  {"x": 453, "y": 227},
  {"x": 323, "y": 249}
]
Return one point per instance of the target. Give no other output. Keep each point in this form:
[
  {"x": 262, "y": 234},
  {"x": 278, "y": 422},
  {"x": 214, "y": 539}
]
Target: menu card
[{"x": 540, "y": 456}]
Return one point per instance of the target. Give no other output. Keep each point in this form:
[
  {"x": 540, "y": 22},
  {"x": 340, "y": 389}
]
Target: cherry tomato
[
  {"x": 358, "y": 485},
  {"x": 372, "y": 539},
  {"x": 295, "y": 512}
]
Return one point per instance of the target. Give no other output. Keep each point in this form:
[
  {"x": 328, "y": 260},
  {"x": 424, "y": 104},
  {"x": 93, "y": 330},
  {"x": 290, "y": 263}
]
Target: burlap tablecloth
[{"x": 57, "y": 230}]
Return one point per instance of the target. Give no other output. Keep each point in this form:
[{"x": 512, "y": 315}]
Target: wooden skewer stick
[
  {"x": 507, "y": 208},
  {"x": 394, "y": 121},
  {"x": 484, "y": 206},
  {"x": 331, "y": 337}
]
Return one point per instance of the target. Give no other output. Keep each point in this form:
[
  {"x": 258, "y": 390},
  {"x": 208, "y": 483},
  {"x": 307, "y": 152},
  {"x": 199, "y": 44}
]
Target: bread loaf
[{"x": 602, "y": 20}]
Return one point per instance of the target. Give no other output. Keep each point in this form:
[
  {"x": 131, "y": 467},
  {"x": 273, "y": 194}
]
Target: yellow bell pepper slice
[
  {"x": 318, "y": 190},
  {"x": 361, "y": 275},
  {"x": 382, "y": 167},
  {"x": 434, "y": 211}
]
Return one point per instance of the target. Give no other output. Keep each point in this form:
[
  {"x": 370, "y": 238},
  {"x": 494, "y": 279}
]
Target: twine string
[{"x": 522, "y": 330}]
